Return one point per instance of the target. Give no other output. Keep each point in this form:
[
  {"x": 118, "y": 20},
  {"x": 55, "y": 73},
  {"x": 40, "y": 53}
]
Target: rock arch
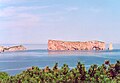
[{"x": 68, "y": 45}]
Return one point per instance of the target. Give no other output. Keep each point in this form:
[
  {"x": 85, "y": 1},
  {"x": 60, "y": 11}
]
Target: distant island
[
  {"x": 68, "y": 45},
  {"x": 13, "y": 48}
]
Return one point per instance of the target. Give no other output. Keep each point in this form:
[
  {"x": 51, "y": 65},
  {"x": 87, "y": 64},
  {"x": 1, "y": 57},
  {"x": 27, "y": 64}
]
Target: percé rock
[
  {"x": 13, "y": 48},
  {"x": 67, "y": 45}
]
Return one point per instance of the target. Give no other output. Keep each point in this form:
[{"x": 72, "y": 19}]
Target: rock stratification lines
[{"x": 67, "y": 45}]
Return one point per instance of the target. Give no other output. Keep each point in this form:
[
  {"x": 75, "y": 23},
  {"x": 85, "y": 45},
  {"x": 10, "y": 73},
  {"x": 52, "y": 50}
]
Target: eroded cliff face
[{"x": 66, "y": 45}]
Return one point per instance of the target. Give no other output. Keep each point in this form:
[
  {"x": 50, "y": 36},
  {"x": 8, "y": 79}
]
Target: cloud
[
  {"x": 72, "y": 9},
  {"x": 12, "y": 11},
  {"x": 21, "y": 21},
  {"x": 12, "y": 1},
  {"x": 4, "y": 1},
  {"x": 24, "y": 8},
  {"x": 24, "y": 16},
  {"x": 18, "y": 17},
  {"x": 9, "y": 11},
  {"x": 95, "y": 10}
]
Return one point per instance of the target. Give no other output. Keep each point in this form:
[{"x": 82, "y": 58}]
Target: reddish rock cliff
[{"x": 66, "y": 45}]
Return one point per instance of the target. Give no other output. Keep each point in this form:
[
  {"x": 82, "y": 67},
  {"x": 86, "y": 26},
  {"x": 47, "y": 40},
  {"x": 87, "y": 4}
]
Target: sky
[{"x": 37, "y": 21}]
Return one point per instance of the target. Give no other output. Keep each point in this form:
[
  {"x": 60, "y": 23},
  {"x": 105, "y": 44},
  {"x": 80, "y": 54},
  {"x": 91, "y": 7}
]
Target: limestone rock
[
  {"x": 110, "y": 47},
  {"x": 13, "y": 48},
  {"x": 1, "y": 49},
  {"x": 67, "y": 45},
  {"x": 16, "y": 48}
]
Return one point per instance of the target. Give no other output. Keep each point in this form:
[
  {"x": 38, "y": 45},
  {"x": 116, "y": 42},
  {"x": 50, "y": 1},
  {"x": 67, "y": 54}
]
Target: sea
[{"x": 37, "y": 55}]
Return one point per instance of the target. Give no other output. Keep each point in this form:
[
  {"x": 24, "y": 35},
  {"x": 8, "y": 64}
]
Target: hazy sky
[{"x": 36, "y": 21}]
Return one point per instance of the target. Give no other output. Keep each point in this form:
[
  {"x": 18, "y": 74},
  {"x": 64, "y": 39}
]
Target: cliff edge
[{"x": 67, "y": 45}]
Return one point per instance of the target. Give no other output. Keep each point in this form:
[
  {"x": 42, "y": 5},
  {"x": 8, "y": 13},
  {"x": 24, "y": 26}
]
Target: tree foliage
[{"x": 105, "y": 73}]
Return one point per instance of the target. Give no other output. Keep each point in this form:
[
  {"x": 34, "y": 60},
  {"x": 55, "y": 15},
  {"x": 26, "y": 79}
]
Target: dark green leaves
[{"x": 106, "y": 73}]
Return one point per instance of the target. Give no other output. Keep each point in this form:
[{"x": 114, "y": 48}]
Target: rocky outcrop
[
  {"x": 1, "y": 48},
  {"x": 13, "y": 48},
  {"x": 16, "y": 48},
  {"x": 66, "y": 45}
]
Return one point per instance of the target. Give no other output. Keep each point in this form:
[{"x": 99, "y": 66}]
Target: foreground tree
[{"x": 105, "y": 73}]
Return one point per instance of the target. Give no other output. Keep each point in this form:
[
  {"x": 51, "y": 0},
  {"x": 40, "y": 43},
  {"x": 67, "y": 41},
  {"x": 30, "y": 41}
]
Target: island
[
  {"x": 68, "y": 45},
  {"x": 12, "y": 48}
]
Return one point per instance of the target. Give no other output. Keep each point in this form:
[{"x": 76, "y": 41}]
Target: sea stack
[
  {"x": 1, "y": 49},
  {"x": 68, "y": 45},
  {"x": 110, "y": 47}
]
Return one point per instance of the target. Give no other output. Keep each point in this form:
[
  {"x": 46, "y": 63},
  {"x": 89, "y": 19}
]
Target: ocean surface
[{"x": 38, "y": 55}]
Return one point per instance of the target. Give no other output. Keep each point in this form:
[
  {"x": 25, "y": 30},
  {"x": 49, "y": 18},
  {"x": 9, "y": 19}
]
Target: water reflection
[{"x": 73, "y": 52}]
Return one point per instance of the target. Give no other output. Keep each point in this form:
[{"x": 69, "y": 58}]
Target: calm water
[{"x": 37, "y": 55}]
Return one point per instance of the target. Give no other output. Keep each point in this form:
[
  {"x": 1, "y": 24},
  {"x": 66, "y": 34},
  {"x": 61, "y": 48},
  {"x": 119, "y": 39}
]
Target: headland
[{"x": 12, "y": 48}]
